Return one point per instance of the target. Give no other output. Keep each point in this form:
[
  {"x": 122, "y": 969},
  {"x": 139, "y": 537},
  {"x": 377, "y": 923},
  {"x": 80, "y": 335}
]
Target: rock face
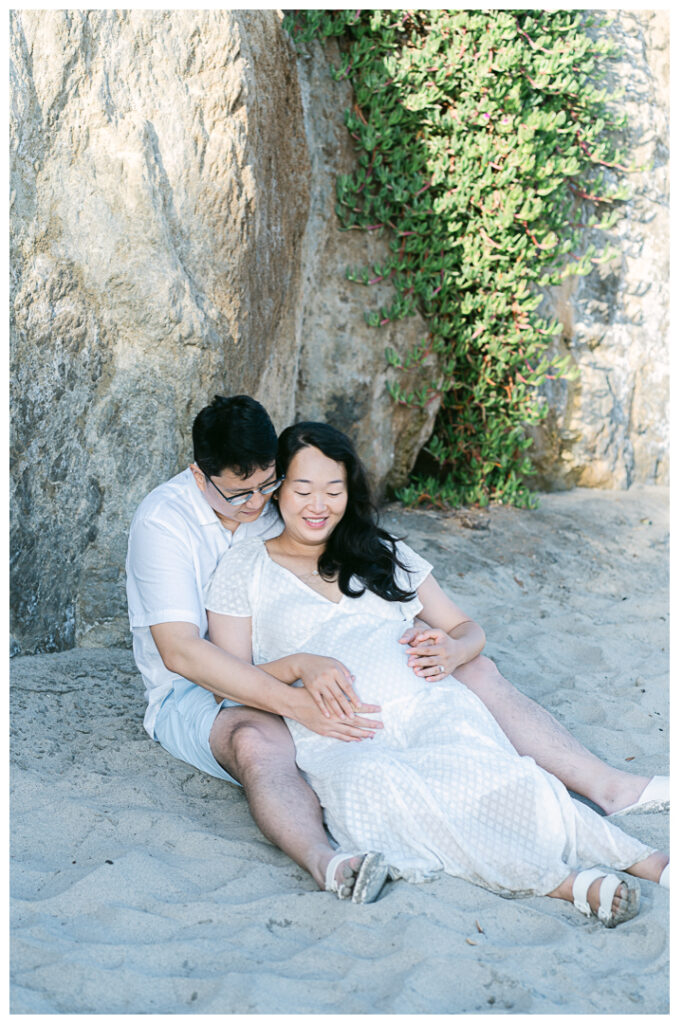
[
  {"x": 343, "y": 369},
  {"x": 609, "y": 428},
  {"x": 173, "y": 236},
  {"x": 159, "y": 195},
  {"x": 162, "y": 252}
]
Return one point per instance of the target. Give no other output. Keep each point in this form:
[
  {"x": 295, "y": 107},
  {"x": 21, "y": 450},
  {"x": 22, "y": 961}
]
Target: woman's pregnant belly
[{"x": 370, "y": 650}]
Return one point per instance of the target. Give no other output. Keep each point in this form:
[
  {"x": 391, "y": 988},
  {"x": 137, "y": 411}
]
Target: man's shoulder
[{"x": 170, "y": 503}]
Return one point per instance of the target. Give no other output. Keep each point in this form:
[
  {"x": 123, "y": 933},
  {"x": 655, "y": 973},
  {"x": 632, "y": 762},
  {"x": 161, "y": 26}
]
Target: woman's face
[{"x": 313, "y": 496}]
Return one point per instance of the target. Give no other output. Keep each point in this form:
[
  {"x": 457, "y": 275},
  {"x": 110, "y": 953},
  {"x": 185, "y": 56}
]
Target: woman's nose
[{"x": 317, "y": 502}]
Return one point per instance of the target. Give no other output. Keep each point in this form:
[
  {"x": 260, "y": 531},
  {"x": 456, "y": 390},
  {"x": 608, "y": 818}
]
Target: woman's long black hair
[{"x": 358, "y": 546}]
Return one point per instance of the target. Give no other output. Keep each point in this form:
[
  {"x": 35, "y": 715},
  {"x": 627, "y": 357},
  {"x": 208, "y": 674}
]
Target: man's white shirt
[{"x": 176, "y": 541}]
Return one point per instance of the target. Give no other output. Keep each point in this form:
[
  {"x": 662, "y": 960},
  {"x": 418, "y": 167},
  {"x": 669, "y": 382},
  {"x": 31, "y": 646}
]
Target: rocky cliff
[
  {"x": 169, "y": 242},
  {"x": 343, "y": 371},
  {"x": 173, "y": 236},
  {"x": 159, "y": 197},
  {"x": 609, "y": 428}
]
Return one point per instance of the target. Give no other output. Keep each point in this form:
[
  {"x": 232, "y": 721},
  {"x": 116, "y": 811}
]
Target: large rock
[
  {"x": 174, "y": 236},
  {"x": 159, "y": 194},
  {"x": 343, "y": 371},
  {"x": 609, "y": 428}
]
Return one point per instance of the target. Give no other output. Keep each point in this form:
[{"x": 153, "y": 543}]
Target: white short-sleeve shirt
[{"x": 176, "y": 541}]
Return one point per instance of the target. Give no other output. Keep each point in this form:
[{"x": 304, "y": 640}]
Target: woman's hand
[
  {"x": 330, "y": 684},
  {"x": 433, "y": 654},
  {"x": 302, "y": 708}
]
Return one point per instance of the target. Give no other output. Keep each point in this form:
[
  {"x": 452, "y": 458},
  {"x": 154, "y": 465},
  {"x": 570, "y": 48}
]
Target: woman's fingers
[
  {"x": 425, "y": 649},
  {"x": 349, "y": 733},
  {"x": 365, "y": 725},
  {"x": 432, "y": 667},
  {"x": 339, "y": 705},
  {"x": 435, "y": 657},
  {"x": 433, "y": 675},
  {"x": 436, "y": 671},
  {"x": 339, "y": 696},
  {"x": 343, "y": 703},
  {"x": 319, "y": 698},
  {"x": 345, "y": 684},
  {"x": 426, "y": 635},
  {"x": 409, "y": 636}
]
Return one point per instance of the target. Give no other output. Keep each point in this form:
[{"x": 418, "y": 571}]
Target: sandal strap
[
  {"x": 331, "y": 883},
  {"x": 580, "y": 888},
  {"x": 608, "y": 887}
]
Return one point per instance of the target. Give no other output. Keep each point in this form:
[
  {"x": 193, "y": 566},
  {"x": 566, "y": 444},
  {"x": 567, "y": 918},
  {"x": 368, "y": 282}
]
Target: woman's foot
[{"x": 600, "y": 892}]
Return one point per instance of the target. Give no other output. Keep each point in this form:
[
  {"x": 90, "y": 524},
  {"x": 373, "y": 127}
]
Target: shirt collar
[{"x": 205, "y": 514}]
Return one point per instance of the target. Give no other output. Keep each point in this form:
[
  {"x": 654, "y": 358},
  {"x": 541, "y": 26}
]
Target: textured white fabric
[
  {"x": 175, "y": 543},
  {"x": 440, "y": 787}
]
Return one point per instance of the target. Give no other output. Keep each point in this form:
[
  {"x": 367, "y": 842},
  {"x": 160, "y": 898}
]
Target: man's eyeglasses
[{"x": 243, "y": 497}]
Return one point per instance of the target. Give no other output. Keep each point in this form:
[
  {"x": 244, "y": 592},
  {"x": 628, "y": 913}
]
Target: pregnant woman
[{"x": 440, "y": 787}]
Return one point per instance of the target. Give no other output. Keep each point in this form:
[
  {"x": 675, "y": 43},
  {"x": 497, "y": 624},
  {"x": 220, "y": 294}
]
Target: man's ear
[{"x": 199, "y": 477}]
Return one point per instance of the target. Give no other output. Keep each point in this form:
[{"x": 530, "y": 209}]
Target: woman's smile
[
  {"x": 315, "y": 523},
  {"x": 313, "y": 497}
]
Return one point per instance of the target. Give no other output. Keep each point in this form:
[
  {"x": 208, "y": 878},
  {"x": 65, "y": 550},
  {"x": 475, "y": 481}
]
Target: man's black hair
[{"x": 234, "y": 433}]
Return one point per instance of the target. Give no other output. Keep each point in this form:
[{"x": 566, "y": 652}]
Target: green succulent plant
[{"x": 486, "y": 146}]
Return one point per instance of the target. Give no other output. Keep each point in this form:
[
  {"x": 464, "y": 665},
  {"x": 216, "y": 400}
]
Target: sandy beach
[{"x": 141, "y": 886}]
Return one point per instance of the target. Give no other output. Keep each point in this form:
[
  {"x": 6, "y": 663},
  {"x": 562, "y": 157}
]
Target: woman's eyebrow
[{"x": 299, "y": 480}]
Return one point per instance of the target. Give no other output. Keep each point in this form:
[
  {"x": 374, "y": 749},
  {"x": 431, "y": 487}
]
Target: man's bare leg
[
  {"x": 533, "y": 730},
  {"x": 256, "y": 748}
]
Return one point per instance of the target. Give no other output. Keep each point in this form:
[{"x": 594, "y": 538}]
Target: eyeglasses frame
[{"x": 243, "y": 497}]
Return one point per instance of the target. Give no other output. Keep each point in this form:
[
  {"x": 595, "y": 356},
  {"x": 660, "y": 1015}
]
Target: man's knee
[
  {"x": 243, "y": 741},
  {"x": 479, "y": 674},
  {"x": 482, "y": 677}
]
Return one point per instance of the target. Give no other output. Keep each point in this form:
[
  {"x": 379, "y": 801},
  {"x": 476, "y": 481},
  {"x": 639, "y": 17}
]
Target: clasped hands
[{"x": 432, "y": 655}]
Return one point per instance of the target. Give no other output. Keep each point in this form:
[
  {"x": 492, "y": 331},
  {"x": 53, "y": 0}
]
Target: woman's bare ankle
[
  {"x": 619, "y": 790},
  {"x": 651, "y": 868},
  {"x": 564, "y": 889}
]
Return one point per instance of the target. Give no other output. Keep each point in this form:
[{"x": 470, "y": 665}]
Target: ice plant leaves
[{"x": 485, "y": 148}]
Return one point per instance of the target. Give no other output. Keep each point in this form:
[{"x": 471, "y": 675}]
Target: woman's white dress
[{"x": 440, "y": 787}]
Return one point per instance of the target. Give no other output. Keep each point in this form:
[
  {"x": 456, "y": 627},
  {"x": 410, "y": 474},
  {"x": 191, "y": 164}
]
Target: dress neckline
[{"x": 293, "y": 575}]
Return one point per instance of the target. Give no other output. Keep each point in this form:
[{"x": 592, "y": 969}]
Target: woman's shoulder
[
  {"x": 240, "y": 558},
  {"x": 412, "y": 562},
  {"x": 236, "y": 572}
]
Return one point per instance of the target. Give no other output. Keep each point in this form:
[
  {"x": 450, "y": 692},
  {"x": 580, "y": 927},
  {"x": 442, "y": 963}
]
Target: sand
[{"x": 141, "y": 886}]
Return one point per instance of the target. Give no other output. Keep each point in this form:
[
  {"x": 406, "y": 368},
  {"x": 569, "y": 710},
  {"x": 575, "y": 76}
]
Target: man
[{"x": 223, "y": 716}]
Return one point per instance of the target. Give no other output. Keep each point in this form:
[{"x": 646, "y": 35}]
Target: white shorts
[{"x": 184, "y": 723}]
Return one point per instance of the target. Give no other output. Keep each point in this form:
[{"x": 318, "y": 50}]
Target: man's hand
[
  {"x": 433, "y": 654},
  {"x": 330, "y": 684},
  {"x": 303, "y": 709}
]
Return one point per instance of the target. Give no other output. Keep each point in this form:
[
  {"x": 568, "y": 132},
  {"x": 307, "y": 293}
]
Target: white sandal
[
  {"x": 655, "y": 797},
  {"x": 608, "y": 887},
  {"x": 370, "y": 877},
  {"x": 664, "y": 878}
]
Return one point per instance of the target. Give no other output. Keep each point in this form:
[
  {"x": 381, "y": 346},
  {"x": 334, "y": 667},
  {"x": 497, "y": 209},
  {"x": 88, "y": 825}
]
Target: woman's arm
[{"x": 452, "y": 639}]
